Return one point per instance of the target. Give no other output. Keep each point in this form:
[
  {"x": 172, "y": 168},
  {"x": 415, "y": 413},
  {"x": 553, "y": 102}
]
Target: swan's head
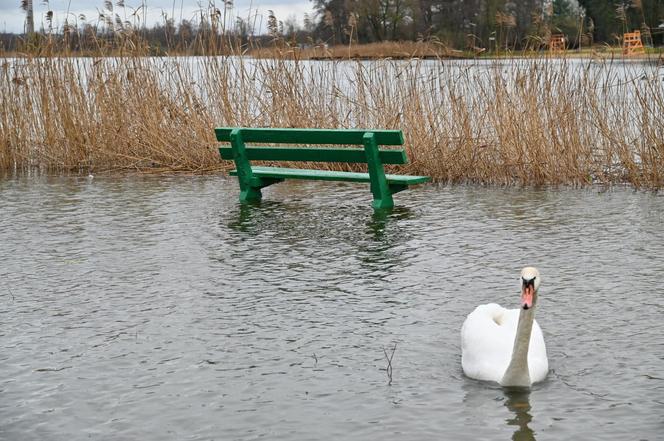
[{"x": 530, "y": 281}]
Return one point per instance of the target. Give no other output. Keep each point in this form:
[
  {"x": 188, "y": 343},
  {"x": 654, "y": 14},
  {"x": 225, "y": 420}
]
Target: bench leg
[
  {"x": 379, "y": 186},
  {"x": 250, "y": 187},
  {"x": 387, "y": 202},
  {"x": 251, "y": 192}
]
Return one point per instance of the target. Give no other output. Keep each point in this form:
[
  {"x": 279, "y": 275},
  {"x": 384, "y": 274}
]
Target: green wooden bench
[{"x": 253, "y": 178}]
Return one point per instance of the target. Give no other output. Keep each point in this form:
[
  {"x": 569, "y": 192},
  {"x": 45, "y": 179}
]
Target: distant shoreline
[
  {"x": 421, "y": 50},
  {"x": 369, "y": 51}
]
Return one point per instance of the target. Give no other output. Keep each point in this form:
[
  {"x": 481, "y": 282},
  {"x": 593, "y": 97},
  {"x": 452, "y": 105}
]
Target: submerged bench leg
[
  {"x": 387, "y": 202},
  {"x": 250, "y": 187},
  {"x": 379, "y": 186},
  {"x": 250, "y": 194},
  {"x": 252, "y": 191}
]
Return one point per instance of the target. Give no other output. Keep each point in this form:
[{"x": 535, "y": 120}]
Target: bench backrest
[{"x": 312, "y": 136}]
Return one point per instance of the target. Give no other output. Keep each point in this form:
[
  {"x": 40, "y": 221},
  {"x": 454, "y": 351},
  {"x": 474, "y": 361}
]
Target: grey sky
[{"x": 12, "y": 17}]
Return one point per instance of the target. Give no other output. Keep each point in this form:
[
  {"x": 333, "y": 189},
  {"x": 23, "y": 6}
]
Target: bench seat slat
[
  {"x": 316, "y": 154},
  {"x": 310, "y": 136},
  {"x": 326, "y": 175}
]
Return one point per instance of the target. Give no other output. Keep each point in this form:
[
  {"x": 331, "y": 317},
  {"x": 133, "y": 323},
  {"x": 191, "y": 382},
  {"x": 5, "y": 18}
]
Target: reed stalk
[{"x": 529, "y": 122}]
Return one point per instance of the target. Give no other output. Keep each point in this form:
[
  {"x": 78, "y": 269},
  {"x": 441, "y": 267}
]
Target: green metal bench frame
[{"x": 252, "y": 178}]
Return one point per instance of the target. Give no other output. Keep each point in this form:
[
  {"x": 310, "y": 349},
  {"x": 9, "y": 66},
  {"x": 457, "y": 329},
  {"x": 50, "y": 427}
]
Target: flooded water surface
[{"x": 159, "y": 308}]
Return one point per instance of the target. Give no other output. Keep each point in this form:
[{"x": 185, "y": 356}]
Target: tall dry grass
[
  {"x": 503, "y": 122},
  {"x": 402, "y": 50}
]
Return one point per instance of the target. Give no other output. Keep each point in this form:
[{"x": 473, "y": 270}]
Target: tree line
[
  {"x": 489, "y": 24},
  {"x": 479, "y": 25}
]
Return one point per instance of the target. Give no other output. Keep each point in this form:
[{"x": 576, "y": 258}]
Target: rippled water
[{"x": 159, "y": 308}]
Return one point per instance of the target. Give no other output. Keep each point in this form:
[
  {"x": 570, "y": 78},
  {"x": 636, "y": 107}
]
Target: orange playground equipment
[
  {"x": 557, "y": 43},
  {"x": 632, "y": 44}
]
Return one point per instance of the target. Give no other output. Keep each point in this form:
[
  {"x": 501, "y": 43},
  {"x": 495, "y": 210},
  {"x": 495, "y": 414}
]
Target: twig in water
[
  {"x": 389, "y": 363},
  {"x": 10, "y": 290}
]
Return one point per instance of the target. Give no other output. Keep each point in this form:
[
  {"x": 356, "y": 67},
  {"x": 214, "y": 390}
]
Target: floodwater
[{"x": 153, "y": 308}]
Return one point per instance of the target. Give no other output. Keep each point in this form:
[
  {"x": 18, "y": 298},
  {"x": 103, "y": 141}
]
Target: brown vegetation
[
  {"x": 504, "y": 122},
  {"x": 403, "y": 50}
]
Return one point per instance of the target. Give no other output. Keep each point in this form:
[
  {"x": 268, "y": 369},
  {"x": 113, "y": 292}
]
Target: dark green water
[{"x": 158, "y": 308}]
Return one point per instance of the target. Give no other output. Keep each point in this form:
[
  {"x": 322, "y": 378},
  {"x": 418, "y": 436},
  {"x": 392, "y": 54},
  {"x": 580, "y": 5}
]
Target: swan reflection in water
[{"x": 517, "y": 400}]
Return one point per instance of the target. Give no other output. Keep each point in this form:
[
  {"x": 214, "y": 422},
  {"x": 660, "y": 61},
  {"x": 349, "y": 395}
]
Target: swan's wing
[
  {"x": 487, "y": 339},
  {"x": 538, "y": 363}
]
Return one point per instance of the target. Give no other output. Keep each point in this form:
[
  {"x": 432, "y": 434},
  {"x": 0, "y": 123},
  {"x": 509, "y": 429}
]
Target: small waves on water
[{"x": 159, "y": 307}]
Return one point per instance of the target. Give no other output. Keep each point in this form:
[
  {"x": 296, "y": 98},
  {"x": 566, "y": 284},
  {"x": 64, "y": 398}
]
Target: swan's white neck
[{"x": 517, "y": 372}]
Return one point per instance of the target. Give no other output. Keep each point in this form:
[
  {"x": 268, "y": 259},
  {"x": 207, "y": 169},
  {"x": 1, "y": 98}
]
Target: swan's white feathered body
[{"x": 487, "y": 341}]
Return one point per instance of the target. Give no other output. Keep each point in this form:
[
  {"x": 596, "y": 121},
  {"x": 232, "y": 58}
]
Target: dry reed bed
[
  {"x": 526, "y": 122},
  {"x": 367, "y": 51}
]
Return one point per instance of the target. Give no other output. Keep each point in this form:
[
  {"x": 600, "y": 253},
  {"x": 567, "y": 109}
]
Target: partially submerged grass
[
  {"x": 403, "y": 50},
  {"x": 526, "y": 122}
]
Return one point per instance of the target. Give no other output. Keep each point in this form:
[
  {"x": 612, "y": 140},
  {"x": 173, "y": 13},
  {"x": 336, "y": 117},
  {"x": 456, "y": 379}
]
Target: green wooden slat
[
  {"x": 326, "y": 175},
  {"x": 310, "y": 136},
  {"x": 315, "y": 155}
]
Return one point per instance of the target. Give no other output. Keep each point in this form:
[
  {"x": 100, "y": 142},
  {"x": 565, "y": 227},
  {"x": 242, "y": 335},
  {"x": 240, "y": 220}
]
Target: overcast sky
[{"x": 12, "y": 18}]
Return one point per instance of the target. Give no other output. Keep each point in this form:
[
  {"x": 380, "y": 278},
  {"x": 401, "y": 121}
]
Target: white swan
[{"x": 506, "y": 345}]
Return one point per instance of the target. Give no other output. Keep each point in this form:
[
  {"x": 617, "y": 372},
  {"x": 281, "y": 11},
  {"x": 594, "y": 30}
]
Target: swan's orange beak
[{"x": 527, "y": 294}]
